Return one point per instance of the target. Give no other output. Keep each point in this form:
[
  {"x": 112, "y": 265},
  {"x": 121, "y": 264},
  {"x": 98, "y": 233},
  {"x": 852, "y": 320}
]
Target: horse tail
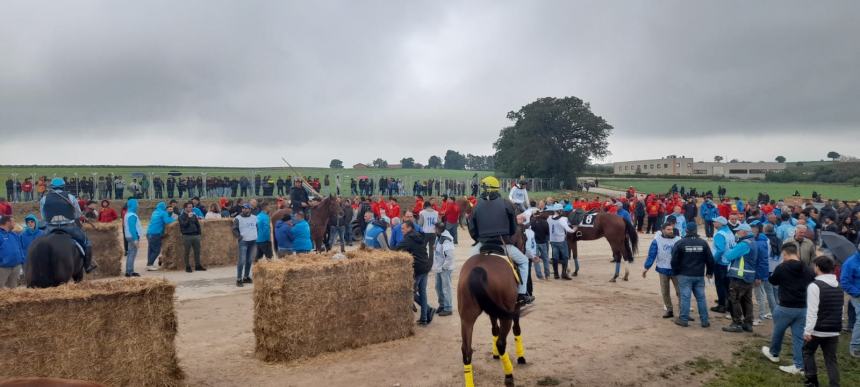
[
  {"x": 632, "y": 238},
  {"x": 39, "y": 270},
  {"x": 478, "y": 287}
]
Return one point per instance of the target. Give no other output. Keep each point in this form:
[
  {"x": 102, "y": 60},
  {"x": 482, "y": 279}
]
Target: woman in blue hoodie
[
  {"x": 283, "y": 235},
  {"x": 31, "y": 232},
  {"x": 301, "y": 234},
  {"x": 133, "y": 230},
  {"x": 155, "y": 233}
]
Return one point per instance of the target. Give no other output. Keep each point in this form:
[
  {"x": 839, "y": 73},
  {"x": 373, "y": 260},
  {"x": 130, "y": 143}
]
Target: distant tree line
[{"x": 452, "y": 160}]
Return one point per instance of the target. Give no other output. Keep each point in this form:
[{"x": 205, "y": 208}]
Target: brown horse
[
  {"x": 53, "y": 260},
  {"x": 622, "y": 237},
  {"x": 488, "y": 284},
  {"x": 620, "y": 234},
  {"x": 320, "y": 216}
]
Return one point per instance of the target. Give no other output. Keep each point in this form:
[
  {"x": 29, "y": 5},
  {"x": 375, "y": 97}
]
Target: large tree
[
  {"x": 434, "y": 162},
  {"x": 833, "y": 155},
  {"x": 780, "y": 159},
  {"x": 718, "y": 158},
  {"x": 551, "y": 137},
  {"x": 335, "y": 164},
  {"x": 407, "y": 163},
  {"x": 380, "y": 163},
  {"x": 454, "y": 160}
]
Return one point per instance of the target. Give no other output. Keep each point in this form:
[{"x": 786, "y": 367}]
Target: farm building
[{"x": 686, "y": 166}]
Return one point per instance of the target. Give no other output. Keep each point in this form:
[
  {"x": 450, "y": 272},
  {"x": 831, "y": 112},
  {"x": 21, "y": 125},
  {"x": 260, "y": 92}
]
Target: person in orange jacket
[{"x": 419, "y": 205}]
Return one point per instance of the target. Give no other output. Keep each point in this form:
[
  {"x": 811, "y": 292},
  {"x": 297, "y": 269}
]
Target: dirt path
[{"x": 581, "y": 332}]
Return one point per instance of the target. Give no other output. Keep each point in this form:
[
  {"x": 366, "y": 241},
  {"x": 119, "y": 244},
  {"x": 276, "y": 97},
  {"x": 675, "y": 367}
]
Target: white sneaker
[
  {"x": 768, "y": 316},
  {"x": 756, "y": 322},
  {"x": 791, "y": 369},
  {"x": 766, "y": 352},
  {"x": 728, "y": 316},
  {"x": 152, "y": 268}
]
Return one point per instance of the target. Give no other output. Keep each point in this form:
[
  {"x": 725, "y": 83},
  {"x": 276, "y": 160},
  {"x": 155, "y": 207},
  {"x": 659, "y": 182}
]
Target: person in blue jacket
[
  {"x": 660, "y": 252},
  {"x": 709, "y": 212},
  {"x": 155, "y": 233},
  {"x": 264, "y": 232},
  {"x": 283, "y": 235},
  {"x": 850, "y": 282},
  {"x": 396, "y": 232},
  {"x": 11, "y": 253},
  {"x": 301, "y": 234},
  {"x": 31, "y": 232},
  {"x": 724, "y": 240},
  {"x": 743, "y": 263},
  {"x": 375, "y": 237},
  {"x": 764, "y": 296}
]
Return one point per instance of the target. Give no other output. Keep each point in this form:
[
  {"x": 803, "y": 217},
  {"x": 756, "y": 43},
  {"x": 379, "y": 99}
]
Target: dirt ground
[{"x": 585, "y": 332}]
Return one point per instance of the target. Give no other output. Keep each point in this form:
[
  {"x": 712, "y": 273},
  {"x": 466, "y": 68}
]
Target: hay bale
[
  {"x": 108, "y": 252},
  {"x": 308, "y": 305},
  {"x": 117, "y": 332},
  {"x": 218, "y": 247}
]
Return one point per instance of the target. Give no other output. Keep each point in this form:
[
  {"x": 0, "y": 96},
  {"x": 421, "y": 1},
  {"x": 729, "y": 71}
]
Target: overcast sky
[{"x": 242, "y": 83}]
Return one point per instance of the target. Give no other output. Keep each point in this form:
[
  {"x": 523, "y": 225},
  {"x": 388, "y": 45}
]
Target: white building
[{"x": 684, "y": 166}]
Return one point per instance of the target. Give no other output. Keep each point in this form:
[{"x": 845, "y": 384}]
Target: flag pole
[{"x": 304, "y": 182}]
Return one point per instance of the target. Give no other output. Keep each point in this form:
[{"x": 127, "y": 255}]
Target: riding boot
[
  {"x": 564, "y": 272},
  {"x": 89, "y": 266}
]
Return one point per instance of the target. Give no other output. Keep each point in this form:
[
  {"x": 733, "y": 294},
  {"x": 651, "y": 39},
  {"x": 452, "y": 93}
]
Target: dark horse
[
  {"x": 488, "y": 284},
  {"x": 620, "y": 234},
  {"x": 320, "y": 216},
  {"x": 53, "y": 260}
]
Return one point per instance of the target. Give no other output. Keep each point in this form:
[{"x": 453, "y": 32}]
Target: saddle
[
  {"x": 496, "y": 249},
  {"x": 581, "y": 218},
  {"x": 61, "y": 231}
]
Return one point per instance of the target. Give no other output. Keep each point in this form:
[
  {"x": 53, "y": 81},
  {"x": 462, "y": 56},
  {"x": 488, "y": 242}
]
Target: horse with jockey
[
  {"x": 62, "y": 213},
  {"x": 493, "y": 221}
]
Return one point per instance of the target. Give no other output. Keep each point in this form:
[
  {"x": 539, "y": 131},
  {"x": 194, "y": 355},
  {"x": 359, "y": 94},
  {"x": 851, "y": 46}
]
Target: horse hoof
[
  {"x": 496, "y": 357},
  {"x": 521, "y": 360},
  {"x": 626, "y": 276},
  {"x": 612, "y": 280}
]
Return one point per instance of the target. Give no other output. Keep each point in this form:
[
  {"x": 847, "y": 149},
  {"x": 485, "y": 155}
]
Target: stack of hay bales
[
  {"x": 116, "y": 332},
  {"x": 108, "y": 251},
  {"x": 312, "y": 304},
  {"x": 218, "y": 246}
]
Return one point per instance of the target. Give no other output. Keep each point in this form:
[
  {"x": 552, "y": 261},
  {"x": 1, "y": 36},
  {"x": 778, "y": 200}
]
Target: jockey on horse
[
  {"x": 61, "y": 212},
  {"x": 494, "y": 220},
  {"x": 519, "y": 195}
]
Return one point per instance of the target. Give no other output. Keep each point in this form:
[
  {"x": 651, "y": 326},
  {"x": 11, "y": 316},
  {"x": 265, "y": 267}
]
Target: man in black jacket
[
  {"x": 189, "y": 226},
  {"x": 692, "y": 257},
  {"x": 413, "y": 242}
]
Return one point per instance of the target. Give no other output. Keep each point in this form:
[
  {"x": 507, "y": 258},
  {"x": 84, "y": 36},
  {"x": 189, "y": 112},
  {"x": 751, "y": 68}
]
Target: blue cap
[
  {"x": 246, "y": 205},
  {"x": 744, "y": 227},
  {"x": 721, "y": 220},
  {"x": 57, "y": 182},
  {"x": 755, "y": 223}
]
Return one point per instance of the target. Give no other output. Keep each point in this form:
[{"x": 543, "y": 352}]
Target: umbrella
[
  {"x": 174, "y": 173},
  {"x": 138, "y": 174},
  {"x": 840, "y": 246}
]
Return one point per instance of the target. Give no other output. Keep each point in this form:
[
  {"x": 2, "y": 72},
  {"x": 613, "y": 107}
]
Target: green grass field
[{"x": 745, "y": 189}]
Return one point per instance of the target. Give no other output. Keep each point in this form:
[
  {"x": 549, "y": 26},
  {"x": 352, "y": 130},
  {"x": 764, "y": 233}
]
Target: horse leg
[
  {"x": 518, "y": 341},
  {"x": 617, "y": 271},
  {"x": 467, "y": 324},
  {"x": 507, "y": 367},
  {"x": 626, "y": 270},
  {"x": 495, "y": 323},
  {"x": 574, "y": 254}
]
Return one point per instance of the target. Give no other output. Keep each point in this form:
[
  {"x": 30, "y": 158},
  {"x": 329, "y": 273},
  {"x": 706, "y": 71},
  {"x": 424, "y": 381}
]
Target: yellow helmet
[{"x": 490, "y": 183}]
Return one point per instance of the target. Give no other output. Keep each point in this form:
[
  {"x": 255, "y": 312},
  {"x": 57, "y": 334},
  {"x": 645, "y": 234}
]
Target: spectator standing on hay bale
[
  {"x": 245, "y": 231},
  {"x": 443, "y": 266},
  {"x": 301, "y": 234},
  {"x": 133, "y": 231},
  {"x": 189, "y": 227},
  {"x": 107, "y": 214},
  {"x": 413, "y": 243},
  {"x": 264, "y": 232},
  {"x": 155, "y": 234},
  {"x": 12, "y": 253}
]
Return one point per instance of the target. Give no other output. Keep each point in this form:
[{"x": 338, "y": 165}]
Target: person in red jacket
[
  {"x": 451, "y": 216},
  {"x": 419, "y": 205},
  {"x": 378, "y": 206},
  {"x": 393, "y": 208},
  {"x": 106, "y": 213},
  {"x": 473, "y": 200},
  {"x": 725, "y": 209},
  {"x": 652, "y": 209}
]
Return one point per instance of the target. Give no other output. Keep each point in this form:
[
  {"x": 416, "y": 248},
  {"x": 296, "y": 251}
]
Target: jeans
[
  {"x": 721, "y": 283},
  {"x": 855, "y": 333},
  {"x": 154, "y": 242},
  {"x": 764, "y": 293},
  {"x": 421, "y": 295},
  {"x": 665, "y": 280},
  {"x": 131, "y": 254},
  {"x": 692, "y": 286},
  {"x": 190, "y": 242},
  {"x": 452, "y": 228},
  {"x": 247, "y": 252},
  {"x": 784, "y": 318},
  {"x": 336, "y": 232},
  {"x": 543, "y": 253},
  {"x": 828, "y": 347},
  {"x": 443, "y": 290},
  {"x": 740, "y": 297},
  {"x": 520, "y": 259},
  {"x": 709, "y": 229}
]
